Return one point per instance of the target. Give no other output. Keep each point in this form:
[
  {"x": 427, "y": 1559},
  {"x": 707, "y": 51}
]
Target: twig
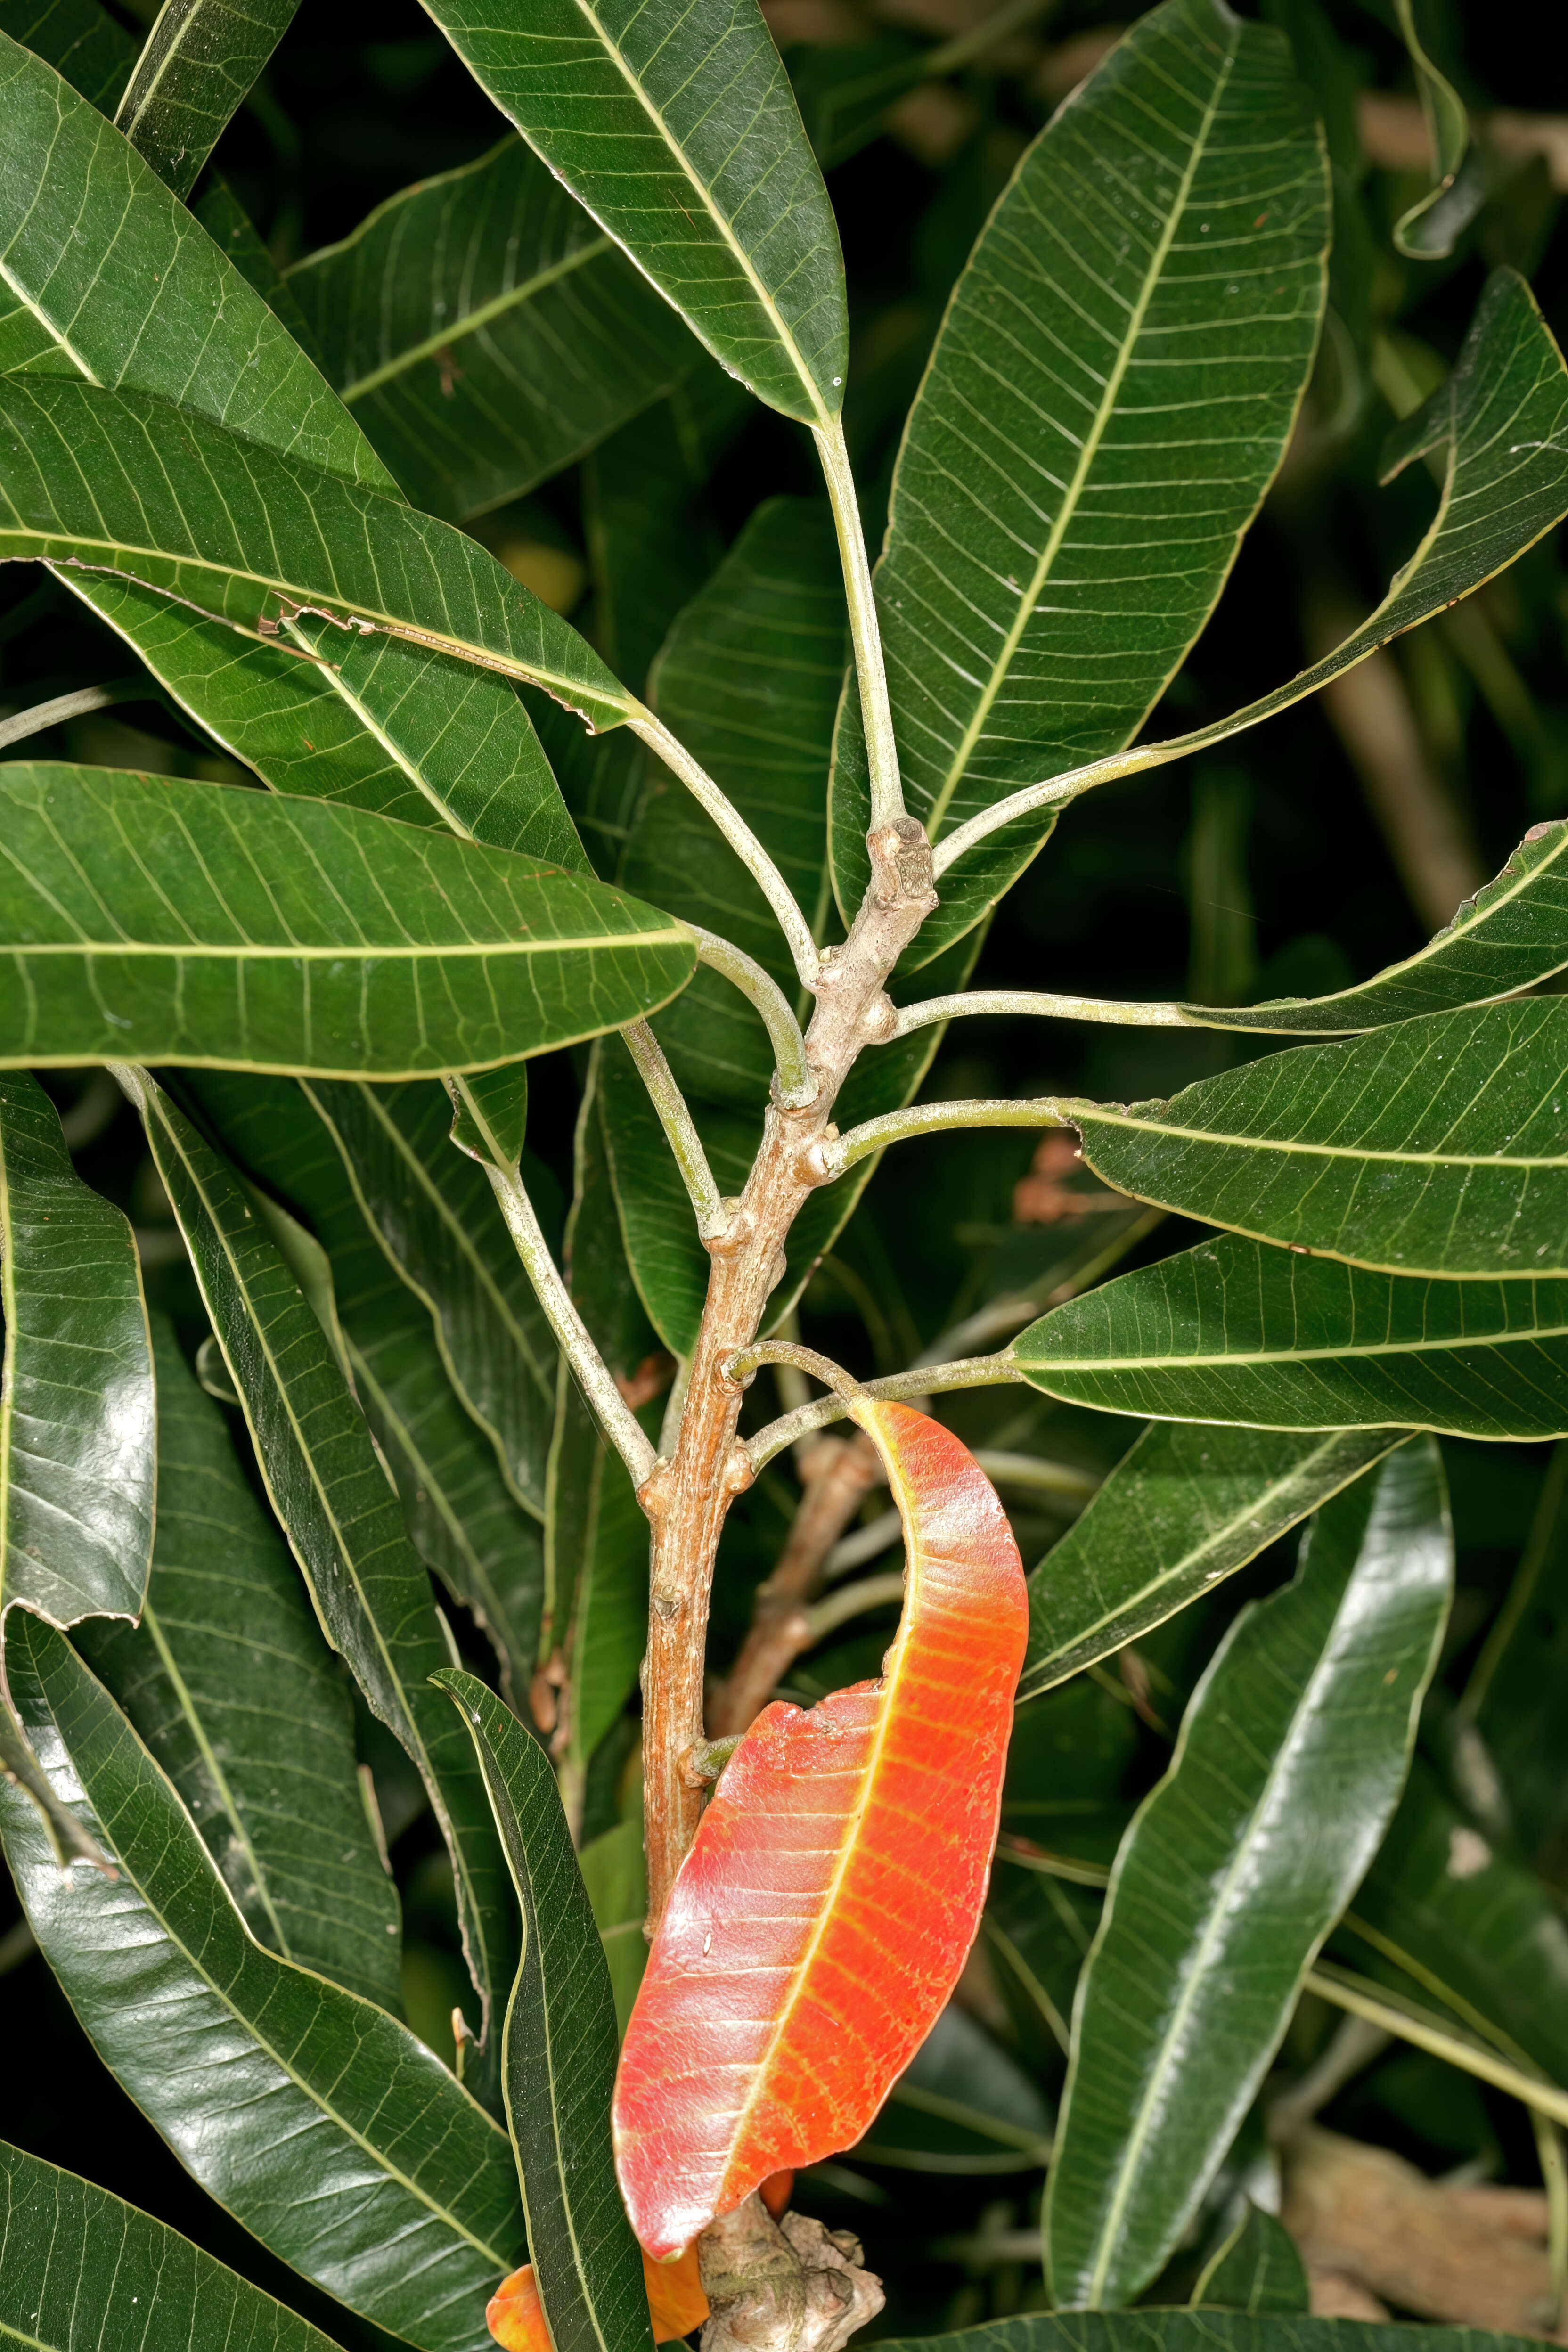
[
  {"x": 680, "y": 1129},
  {"x": 796, "y": 1078},
  {"x": 935, "y": 1119},
  {"x": 738, "y": 834},
  {"x": 881, "y": 750},
  {"x": 23, "y": 723},
  {"x": 589, "y": 1369},
  {"x": 928, "y": 1380},
  {"x": 852, "y": 1601}
]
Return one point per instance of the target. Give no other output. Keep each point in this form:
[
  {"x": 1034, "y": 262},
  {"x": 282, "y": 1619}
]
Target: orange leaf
[
  {"x": 825, "y": 1912},
  {"x": 676, "y": 2304}
]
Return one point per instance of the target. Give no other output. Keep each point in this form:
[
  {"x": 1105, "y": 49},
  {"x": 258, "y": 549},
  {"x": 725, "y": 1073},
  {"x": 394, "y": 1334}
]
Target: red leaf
[
  {"x": 676, "y": 2304},
  {"x": 824, "y": 1914}
]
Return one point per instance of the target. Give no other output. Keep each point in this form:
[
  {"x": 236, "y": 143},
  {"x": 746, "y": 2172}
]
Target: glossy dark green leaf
[
  {"x": 615, "y": 1871},
  {"x": 486, "y": 331},
  {"x": 319, "y": 2122},
  {"x": 77, "y": 1445},
  {"x": 1256, "y": 2269},
  {"x": 1235, "y": 1331},
  {"x": 1437, "y": 1146},
  {"x": 200, "y": 60},
  {"x": 1131, "y": 337},
  {"x": 559, "y": 2051},
  {"x": 235, "y": 235},
  {"x": 1201, "y": 2331},
  {"x": 434, "y": 1212},
  {"x": 275, "y": 933},
  {"x": 1188, "y": 1507},
  {"x": 1216, "y": 1907},
  {"x": 680, "y": 133},
  {"x": 1468, "y": 1922},
  {"x": 71, "y": 2254},
  {"x": 343, "y": 1522},
  {"x": 228, "y": 1682},
  {"x": 1513, "y": 1700},
  {"x": 118, "y": 482},
  {"x": 82, "y": 40},
  {"x": 1508, "y": 937},
  {"x": 459, "y": 1513},
  {"x": 1426, "y": 232},
  {"x": 109, "y": 275}
]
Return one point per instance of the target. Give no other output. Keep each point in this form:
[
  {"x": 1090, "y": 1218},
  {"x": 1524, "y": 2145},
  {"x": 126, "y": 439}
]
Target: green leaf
[
  {"x": 1201, "y": 2331},
  {"x": 486, "y": 331},
  {"x": 1513, "y": 1699},
  {"x": 1470, "y": 1924},
  {"x": 228, "y": 1683},
  {"x": 680, "y": 133},
  {"x": 319, "y": 2122},
  {"x": 70, "y": 2253},
  {"x": 1131, "y": 337},
  {"x": 1510, "y": 935},
  {"x": 1188, "y": 1505},
  {"x": 1256, "y": 2269},
  {"x": 234, "y": 233},
  {"x": 1235, "y": 1331},
  {"x": 615, "y": 1871},
  {"x": 195, "y": 71},
  {"x": 1437, "y": 1146},
  {"x": 344, "y": 1525},
  {"x": 113, "y": 278},
  {"x": 459, "y": 1513},
  {"x": 489, "y": 1115},
  {"x": 559, "y": 2051},
  {"x": 152, "y": 917},
  {"x": 80, "y": 39},
  {"x": 1429, "y": 230},
  {"x": 434, "y": 1212},
  {"x": 77, "y": 1445},
  {"x": 1216, "y": 1907},
  {"x": 118, "y": 482}
]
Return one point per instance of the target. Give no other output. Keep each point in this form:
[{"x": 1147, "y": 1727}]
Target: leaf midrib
[
  {"x": 1097, "y": 1115},
  {"x": 604, "y": 943},
  {"x": 474, "y": 322},
  {"x": 1531, "y": 1337},
  {"x": 943, "y": 798}
]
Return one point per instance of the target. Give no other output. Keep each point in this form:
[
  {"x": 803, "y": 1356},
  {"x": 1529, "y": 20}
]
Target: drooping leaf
[
  {"x": 70, "y": 2253},
  {"x": 486, "y": 331},
  {"x": 680, "y": 135},
  {"x": 228, "y": 1682},
  {"x": 1469, "y": 1923},
  {"x": 200, "y": 60},
  {"x": 1131, "y": 338},
  {"x": 280, "y": 934},
  {"x": 375, "y": 2174},
  {"x": 1199, "y": 2331},
  {"x": 344, "y": 1525},
  {"x": 77, "y": 1445},
  {"x": 1256, "y": 2269},
  {"x": 559, "y": 2050},
  {"x": 1188, "y": 1505},
  {"x": 82, "y": 40},
  {"x": 1426, "y": 232},
  {"x": 1236, "y": 1332},
  {"x": 839, "y": 1870},
  {"x": 118, "y": 482},
  {"x": 1437, "y": 1146},
  {"x": 1216, "y": 1907},
  {"x": 459, "y": 1513},
  {"x": 434, "y": 1212},
  {"x": 1506, "y": 937},
  {"x": 110, "y": 277}
]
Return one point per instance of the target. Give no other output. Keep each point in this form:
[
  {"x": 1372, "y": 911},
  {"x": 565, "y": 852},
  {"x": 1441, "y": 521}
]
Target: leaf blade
[{"x": 196, "y": 68}]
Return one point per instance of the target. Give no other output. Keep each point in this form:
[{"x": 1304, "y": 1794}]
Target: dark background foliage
[{"x": 1314, "y": 852}]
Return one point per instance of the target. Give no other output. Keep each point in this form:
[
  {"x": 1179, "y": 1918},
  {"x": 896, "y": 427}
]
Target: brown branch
[
  {"x": 686, "y": 1497},
  {"x": 840, "y": 1473}
]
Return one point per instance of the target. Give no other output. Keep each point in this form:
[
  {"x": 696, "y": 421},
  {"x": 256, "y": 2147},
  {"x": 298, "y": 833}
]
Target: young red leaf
[{"x": 821, "y": 1917}]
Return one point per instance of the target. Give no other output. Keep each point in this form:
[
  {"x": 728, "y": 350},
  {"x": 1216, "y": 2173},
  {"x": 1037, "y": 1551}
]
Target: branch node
[
  {"x": 900, "y": 865},
  {"x": 879, "y": 1022}
]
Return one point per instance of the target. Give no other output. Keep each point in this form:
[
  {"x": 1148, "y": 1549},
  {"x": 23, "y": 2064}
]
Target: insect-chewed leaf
[
  {"x": 76, "y": 1450},
  {"x": 192, "y": 922},
  {"x": 70, "y": 2254},
  {"x": 821, "y": 1917}
]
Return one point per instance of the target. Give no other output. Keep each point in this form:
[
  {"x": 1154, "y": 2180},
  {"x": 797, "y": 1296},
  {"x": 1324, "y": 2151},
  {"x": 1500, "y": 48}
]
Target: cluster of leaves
[{"x": 273, "y": 1816}]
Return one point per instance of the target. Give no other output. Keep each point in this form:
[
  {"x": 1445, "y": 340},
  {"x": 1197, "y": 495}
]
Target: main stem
[{"x": 688, "y": 1497}]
